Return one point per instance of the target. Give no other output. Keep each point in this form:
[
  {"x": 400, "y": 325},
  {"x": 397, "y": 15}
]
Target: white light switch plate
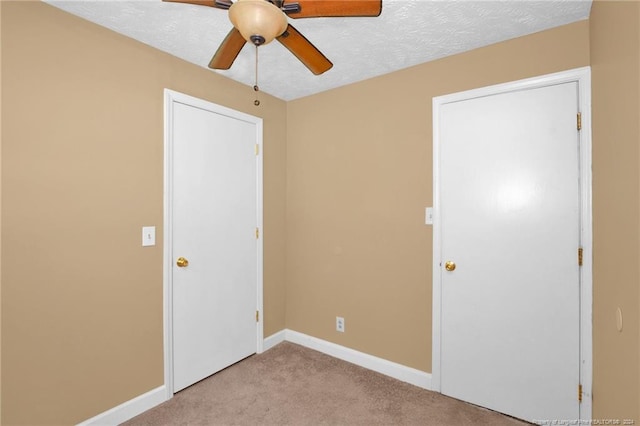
[
  {"x": 428, "y": 216},
  {"x": 148, "y": 236}
]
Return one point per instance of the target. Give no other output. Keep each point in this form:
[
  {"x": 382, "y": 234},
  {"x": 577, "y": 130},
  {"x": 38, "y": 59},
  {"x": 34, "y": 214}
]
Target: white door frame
[
  {"x": 171, "y": 97},
  {"x": 583, "y": 77}
]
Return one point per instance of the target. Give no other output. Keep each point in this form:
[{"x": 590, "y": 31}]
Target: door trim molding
[
  {"x": 170, "y": 98},
  {"x": 583, "y": 77}
]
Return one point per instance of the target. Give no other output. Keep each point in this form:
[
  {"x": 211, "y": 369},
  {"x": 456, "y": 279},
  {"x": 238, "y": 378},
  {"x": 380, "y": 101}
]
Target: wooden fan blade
[
  {"x": 335, "y": 8},
  {"x": 306, "y": 52},
  {"x": 219, "y": 4},
  {"x": 228, "y": 51}
]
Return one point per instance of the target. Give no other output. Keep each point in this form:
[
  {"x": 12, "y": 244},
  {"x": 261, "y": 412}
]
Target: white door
[
  {"x": 510, "y": 221},
  {"x": 214, "y": 218}
]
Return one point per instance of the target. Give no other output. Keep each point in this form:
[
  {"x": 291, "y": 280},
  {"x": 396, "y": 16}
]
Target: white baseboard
[
  {"x": 380, "y": 365},
  {"x": 129, "y": 409},
  {"x": 274, "y": 339},
  {"x": 146, "y": 401}
]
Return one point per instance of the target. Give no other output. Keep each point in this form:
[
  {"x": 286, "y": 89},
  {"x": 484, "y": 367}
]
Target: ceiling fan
[{"x": 261, "y": 21}]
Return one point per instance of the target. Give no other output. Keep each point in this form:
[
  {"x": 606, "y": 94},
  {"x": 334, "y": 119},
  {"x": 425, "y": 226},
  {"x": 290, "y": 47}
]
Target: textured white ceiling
[{"x": 408, "y": 32}]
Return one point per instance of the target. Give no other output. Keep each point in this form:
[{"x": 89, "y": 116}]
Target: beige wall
[
  {"x": 356, "y": 243},
  {"x": 82, "y": 171},
  {"x": 359, "y": 173},
  {"x": 347, "y": 176},
  {"x": 615, "y": 62}
]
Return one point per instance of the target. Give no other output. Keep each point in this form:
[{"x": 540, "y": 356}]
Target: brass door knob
[
  {"x": 450, "y": 266},
  {"x": 182, "y": 262}
]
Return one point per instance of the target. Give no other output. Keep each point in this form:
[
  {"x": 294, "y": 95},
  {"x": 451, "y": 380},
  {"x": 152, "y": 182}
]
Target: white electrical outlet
[{"x": 340, "y": 324}]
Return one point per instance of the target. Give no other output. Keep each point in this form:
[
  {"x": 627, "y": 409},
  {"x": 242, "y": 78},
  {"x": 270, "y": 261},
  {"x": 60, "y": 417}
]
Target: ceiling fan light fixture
[{"x": 258, "y": 21}]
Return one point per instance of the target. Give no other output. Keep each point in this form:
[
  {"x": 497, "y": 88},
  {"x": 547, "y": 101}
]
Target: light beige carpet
[{"x": 293, "y": 385}]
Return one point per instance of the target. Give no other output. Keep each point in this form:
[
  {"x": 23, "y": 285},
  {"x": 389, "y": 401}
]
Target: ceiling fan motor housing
[
  {"x": 258, "y": 21},
  {"x": 261, "y": 21}
]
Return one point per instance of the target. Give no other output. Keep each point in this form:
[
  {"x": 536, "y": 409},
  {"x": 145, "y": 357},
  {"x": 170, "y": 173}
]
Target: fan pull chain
[{"x": 255, "y": 87}]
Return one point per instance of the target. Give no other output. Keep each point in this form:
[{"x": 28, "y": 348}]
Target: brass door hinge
[
  {"x": 257, "y": 233},
  {"x": 580, "y": 256},
  {"x": 579, "y": 393},
  {"x": 257, "y": 149},
  {"x": 579, "y": 121},
  {"x": 257, "y": 316}
]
